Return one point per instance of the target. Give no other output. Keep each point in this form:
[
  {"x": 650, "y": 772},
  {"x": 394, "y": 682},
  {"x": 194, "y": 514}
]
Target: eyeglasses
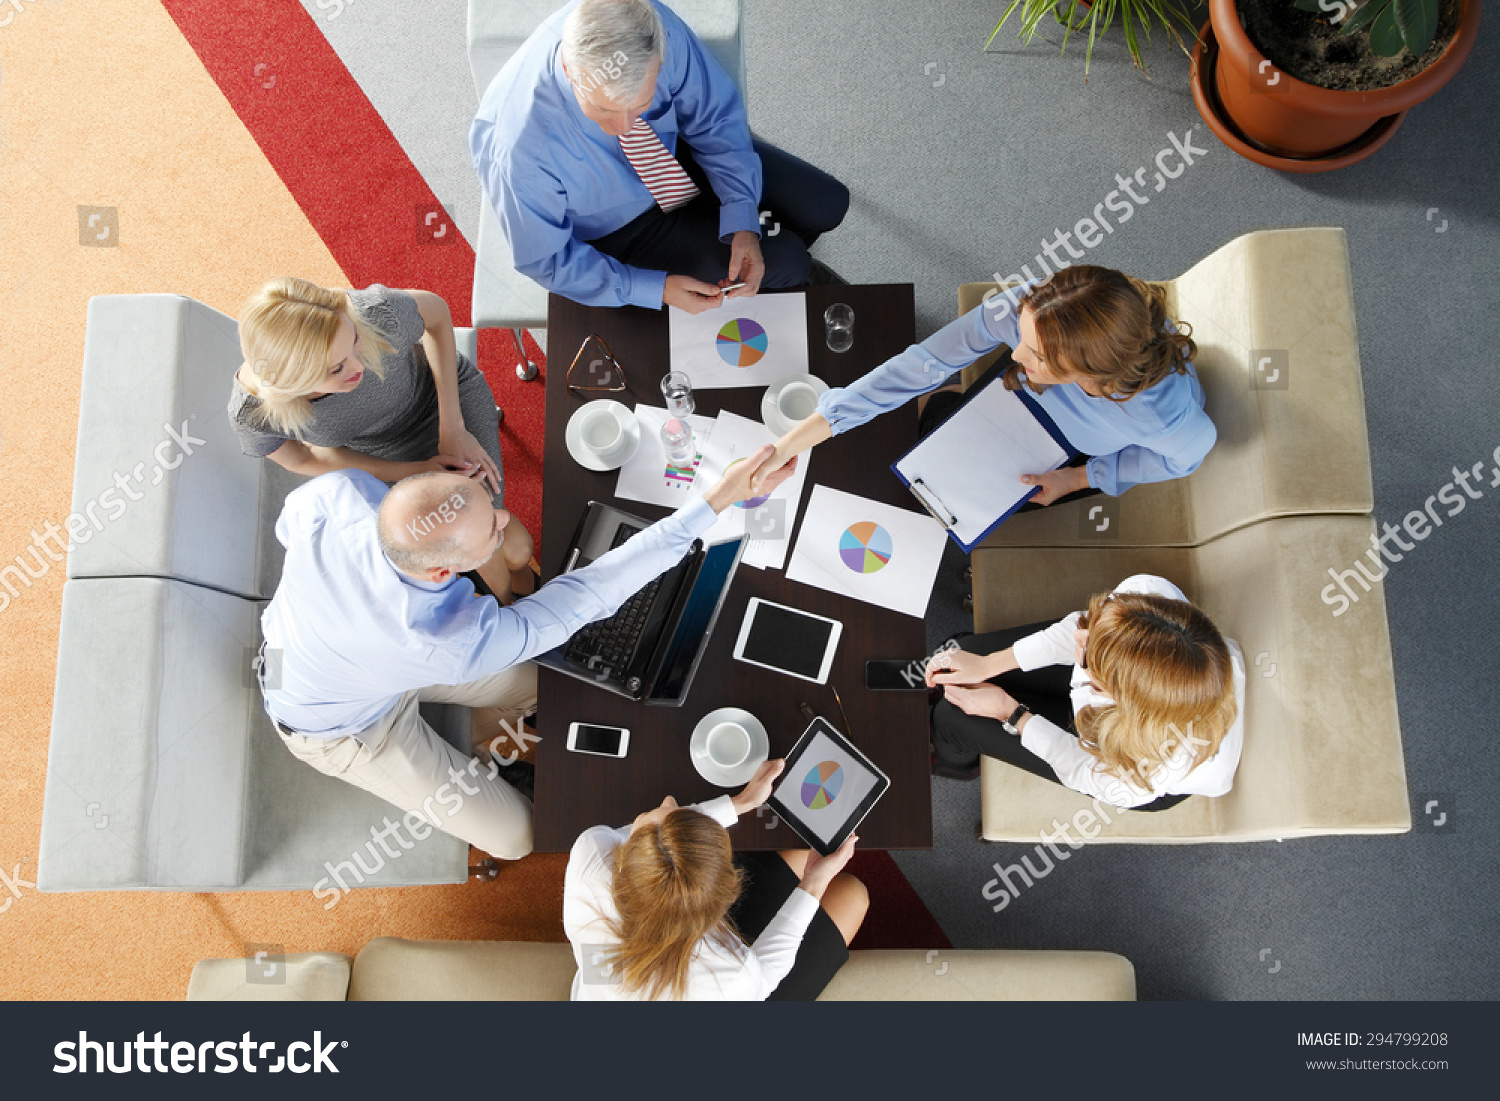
[{"x": 607, "y": 361}]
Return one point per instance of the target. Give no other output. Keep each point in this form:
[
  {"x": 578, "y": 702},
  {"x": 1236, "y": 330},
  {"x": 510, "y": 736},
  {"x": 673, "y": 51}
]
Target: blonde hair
[
  {"x": 1108, "y": 327},
  {"x": 1169, "y": 672},
  {"x": 674, "y": 882},
  {"x": 287, "y": 330}
]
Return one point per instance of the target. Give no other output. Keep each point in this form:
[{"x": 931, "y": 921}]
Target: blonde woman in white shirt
[
  {"x": 1138, "y": 701},
  {"x": 663, "y": 908}
]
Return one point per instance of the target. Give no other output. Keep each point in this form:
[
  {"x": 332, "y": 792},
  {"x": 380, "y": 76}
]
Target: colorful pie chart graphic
[
  {"x": 865, "y": 547},
  {"x": 820, "y": 787},
  {"x": 742, "y": 342}
]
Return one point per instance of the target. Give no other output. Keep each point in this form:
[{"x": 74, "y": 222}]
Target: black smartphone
[{"x": 896, "y": 676}]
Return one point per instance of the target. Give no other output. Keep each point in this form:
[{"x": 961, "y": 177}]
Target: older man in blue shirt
[
  {"x": 371, "y": 618},
  {"x": 619, "y": 161}
]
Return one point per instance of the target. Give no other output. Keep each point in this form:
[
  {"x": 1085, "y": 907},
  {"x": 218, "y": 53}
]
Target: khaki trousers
[{"x": 404, "y": 761}]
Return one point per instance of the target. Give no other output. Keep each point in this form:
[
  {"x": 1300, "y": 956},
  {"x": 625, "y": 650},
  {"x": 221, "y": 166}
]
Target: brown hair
[
  {"x": 674, "y": 882},
  {"x": 287, "y": 330},
  {"x": 1106, "y": 326},
  {"x": 1170, "y": 674}
]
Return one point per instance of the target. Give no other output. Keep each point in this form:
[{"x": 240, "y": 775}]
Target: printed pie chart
[
  {"x": 820, "y": 787},
  {"x": 742, "y": 342},
  {"x": 865, "y": 547}
]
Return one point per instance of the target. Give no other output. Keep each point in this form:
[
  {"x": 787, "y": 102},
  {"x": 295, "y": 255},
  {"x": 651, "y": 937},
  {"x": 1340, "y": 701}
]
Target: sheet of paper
[
  {"x": 973, "y": 462},
  {"x": 743, "y": 342},
  {"x": 648, "y": 476},
  {"x": 873, "y": 552},
  {"x": 768, "y": 519}
]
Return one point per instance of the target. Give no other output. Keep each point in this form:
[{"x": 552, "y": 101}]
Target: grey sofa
[{"x": 163, "y": 771}]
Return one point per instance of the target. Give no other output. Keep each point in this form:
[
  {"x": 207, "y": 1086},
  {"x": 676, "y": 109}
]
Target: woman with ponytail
[
  {"x": 369, "y": 379},
  {"x": 1138, "y": 701},
  {"x": 1096, "y": 348},
  {"x": 664, "y": 909}
]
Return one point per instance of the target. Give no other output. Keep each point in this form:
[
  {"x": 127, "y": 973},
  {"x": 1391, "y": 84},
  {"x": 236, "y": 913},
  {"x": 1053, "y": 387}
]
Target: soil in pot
[{"x": 1307, "y": 46}]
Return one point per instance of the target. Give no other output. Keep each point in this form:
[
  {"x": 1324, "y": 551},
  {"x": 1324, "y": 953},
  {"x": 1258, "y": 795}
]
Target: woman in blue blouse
[{"x": 1095, "y": 345}]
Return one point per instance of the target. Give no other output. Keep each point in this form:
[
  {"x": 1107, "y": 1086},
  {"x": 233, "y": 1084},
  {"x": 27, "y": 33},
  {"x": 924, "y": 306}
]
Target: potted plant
[
  {"x": 1313, "y": 85},
  {"x": 1097, "y": 17}
]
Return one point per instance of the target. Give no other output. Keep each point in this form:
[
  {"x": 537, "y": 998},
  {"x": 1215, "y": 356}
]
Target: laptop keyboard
[{"x": 609, "y": 643}]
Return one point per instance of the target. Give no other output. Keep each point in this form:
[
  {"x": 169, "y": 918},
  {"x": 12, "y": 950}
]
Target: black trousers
[
  {"x": 943, "y": 402},
  {"x": 960, "y": 739},
  {"x": 803, "y": 203}
]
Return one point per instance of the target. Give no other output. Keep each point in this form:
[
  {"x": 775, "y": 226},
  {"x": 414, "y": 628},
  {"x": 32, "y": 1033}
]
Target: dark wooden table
[{"x": 575, "y": 791}]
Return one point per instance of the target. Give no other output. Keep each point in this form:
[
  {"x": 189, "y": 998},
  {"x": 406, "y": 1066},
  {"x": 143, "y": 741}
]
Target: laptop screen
[{"x": 697, "y": 617}]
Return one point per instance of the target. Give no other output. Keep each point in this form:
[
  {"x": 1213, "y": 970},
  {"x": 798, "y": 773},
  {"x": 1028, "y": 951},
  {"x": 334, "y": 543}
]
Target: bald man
[{"x": 371, "y": 618}]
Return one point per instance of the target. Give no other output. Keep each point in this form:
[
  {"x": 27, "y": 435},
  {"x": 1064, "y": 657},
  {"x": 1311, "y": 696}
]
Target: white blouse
[
  {"x": 1081, "y": 770},
  {"x": 739, "y": 973}
]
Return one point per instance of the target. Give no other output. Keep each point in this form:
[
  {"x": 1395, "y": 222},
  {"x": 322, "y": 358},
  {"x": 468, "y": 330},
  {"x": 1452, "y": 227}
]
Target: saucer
[
  {"x": 760, "y": 748},
  {"x": 771, "y": 416},
  {"x": 586, "y": 457}
]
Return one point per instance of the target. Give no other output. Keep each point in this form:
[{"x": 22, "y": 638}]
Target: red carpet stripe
[{"x": 357, "y": 187}]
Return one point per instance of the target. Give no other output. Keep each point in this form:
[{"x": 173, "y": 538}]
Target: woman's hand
[
  {"x": 1057, "y": 483},
  {"x": 819, "y": 871},
  {"x": 460, "y": 443},
  {"x": 957, "y": 667},
  {"x": 758, "y": 790},
  {"x": 988, "y": 700}
]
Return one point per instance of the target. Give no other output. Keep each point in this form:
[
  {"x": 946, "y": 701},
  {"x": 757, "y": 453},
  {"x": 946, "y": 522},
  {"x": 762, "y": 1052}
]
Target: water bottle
[{"x": 677, "y": 440}]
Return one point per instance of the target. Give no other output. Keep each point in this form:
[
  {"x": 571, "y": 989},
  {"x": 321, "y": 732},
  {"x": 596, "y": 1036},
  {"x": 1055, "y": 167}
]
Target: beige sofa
[
  {"x": 392, "y": 969},
  {"x": 1250, "y": 537}
]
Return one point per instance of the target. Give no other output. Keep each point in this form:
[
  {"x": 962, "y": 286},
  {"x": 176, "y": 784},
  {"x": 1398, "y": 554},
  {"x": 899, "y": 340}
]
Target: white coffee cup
[
  {"x": 601, "y": 433},
  {"x": 728, "y": 744},
  {"x": 797, "y": 401}
]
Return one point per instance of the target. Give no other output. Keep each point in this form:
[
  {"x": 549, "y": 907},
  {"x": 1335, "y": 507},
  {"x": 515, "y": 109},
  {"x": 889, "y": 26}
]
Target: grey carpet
[{"x": 960, "y": 163}]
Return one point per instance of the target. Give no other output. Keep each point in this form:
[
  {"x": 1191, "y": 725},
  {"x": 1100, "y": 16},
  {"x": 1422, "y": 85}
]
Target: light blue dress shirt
[
  {"x": 1159, "y": 434},
  {"x": 556, "y": 180},
  {"x": 355, "y": 633}
]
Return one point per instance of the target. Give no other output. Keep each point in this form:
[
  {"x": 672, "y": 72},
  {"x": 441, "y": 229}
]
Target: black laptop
[{"x": 650, "y": 649}]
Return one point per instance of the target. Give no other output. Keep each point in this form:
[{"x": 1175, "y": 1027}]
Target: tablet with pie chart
[{"x": 827, "y": 787}]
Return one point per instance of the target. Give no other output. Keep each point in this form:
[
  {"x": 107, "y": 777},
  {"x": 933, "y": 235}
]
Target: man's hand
[
  {"x": 819, "y": 871},
  {"x": 988, "y": 700},
  {"x": 745, "y": 263},
  {"x": 1057, "y": 483},
  {"x": 690, "y": 295},
  {"x": 734, "y": 486},
  {"x": 758, "y": 790}
]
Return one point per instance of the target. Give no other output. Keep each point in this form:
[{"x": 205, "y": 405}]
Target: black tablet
[{"x": 827, "y": 787}]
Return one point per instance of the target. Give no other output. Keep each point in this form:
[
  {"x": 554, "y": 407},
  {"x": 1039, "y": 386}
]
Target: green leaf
[
  {"x": 1385, "y": 36},
  {"x": 1364, "y": 14},
  {"x": 1417, "y": 21}
]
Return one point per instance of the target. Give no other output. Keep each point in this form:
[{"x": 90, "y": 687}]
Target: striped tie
[{"x": 663, "y": 176}]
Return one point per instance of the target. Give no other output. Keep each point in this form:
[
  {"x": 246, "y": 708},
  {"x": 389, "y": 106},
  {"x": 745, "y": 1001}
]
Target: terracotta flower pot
[{"x": 1277, "y": 120}]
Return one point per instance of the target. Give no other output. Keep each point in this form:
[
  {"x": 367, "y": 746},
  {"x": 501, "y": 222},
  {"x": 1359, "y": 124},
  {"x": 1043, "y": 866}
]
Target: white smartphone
[
  {"x": 602, "y": 741},
  {"x": 797, "y": 643}
]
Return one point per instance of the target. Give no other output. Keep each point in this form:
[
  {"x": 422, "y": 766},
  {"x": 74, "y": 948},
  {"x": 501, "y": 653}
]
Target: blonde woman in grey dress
[{"x": 370, "y": 379}]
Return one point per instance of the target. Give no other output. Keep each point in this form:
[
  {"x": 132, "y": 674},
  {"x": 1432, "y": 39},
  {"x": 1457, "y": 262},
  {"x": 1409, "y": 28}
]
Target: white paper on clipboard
[{"x": 972, "y": 464}]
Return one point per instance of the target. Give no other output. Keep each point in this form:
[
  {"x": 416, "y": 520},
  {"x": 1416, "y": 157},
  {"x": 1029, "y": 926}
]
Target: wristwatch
[{"x": 1015, "y": 717}]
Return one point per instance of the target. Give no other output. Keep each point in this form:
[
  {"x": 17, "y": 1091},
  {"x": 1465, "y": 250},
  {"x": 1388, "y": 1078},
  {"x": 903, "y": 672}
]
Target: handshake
[{"x": 759, "y": 474}]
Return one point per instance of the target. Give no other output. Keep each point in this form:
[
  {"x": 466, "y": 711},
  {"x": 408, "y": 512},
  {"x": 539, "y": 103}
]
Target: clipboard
[{"x": 929, "y": 498}]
